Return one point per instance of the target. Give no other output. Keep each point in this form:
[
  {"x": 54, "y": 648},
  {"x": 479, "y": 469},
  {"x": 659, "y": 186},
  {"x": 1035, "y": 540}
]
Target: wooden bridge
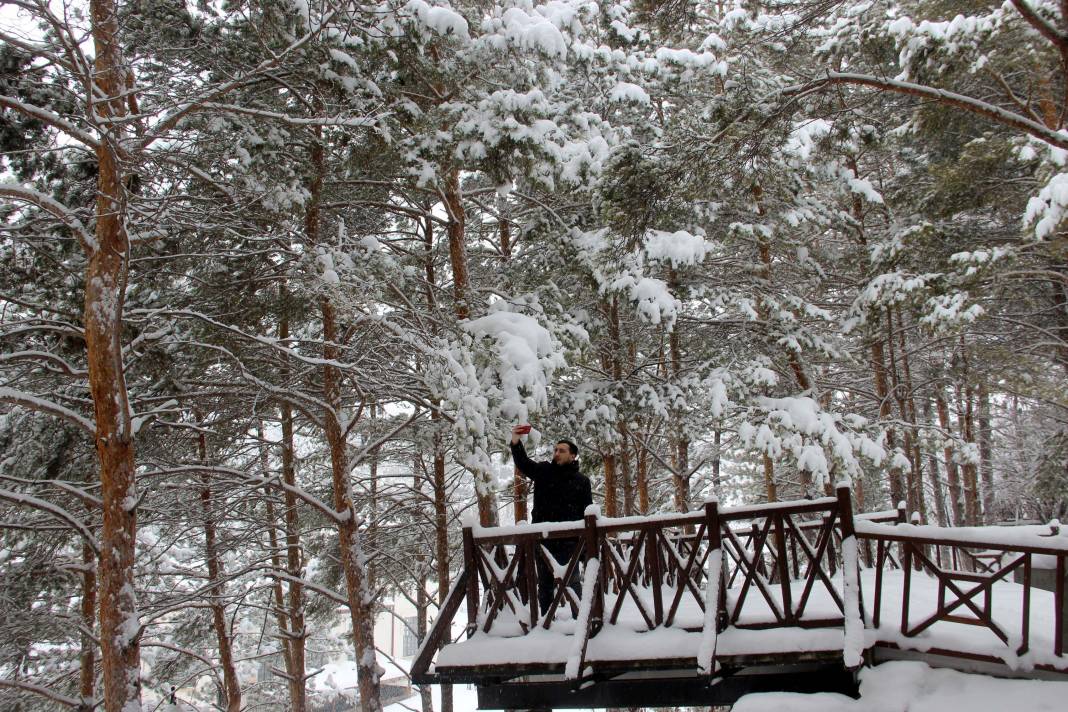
[{"x": 704, "y": 607}]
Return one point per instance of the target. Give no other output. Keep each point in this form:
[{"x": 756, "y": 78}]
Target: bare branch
[
  {"x": 942, "y": 96},
  {"x": 27, "y": 400}
]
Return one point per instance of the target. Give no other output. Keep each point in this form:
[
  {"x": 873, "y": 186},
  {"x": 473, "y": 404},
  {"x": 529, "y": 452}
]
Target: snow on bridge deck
[{"x": 629, "y": 640}]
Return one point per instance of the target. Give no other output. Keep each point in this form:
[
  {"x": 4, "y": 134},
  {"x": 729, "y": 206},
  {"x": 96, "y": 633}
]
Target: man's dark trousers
[{"x": 561, "y": 550}]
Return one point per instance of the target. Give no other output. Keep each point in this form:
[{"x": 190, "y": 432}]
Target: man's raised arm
[{"x": 519, "y": 454}]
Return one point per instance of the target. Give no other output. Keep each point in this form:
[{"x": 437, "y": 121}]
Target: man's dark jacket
[{"x": 561, "y": 492}]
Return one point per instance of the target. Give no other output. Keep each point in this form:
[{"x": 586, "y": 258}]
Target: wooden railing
[
  {"x": 654, "y": 571},
  {"x": 780, "y": 565},
  {"x": 967, "y": 566}
]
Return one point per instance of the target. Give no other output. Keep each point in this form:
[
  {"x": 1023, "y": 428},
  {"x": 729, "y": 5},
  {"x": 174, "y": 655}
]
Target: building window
[{"x": 411, "y": 641}]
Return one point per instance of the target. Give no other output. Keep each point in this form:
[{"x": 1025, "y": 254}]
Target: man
[{"x": 561, "y": 494}]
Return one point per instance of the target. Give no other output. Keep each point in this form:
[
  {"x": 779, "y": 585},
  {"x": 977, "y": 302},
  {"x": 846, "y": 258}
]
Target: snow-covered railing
[
  {"x": 775, "y": 565},
  {"x": 971, "y": 592},
  {"x": 716, "y": 589}
]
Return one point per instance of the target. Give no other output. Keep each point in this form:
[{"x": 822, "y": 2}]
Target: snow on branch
[
  {"x": 942, "y": 96},
  {"x": 1051, "y": 33},
  {"x": 347, "y": 122},
  {"x": 32, "y": 402},
  {"x": 54, "y": 510},
  {"x": 52, "y": 119},
  {"x": 17, "y": 191},
  {"x": 44, "y": 692},
  {"x": 48, "y": 358},
  {"x": 171, "y": 120}
]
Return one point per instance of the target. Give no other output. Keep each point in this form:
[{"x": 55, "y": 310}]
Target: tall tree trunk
[
  {"x": 793, "y": 357},
  {"x": 350, "y": 546},
  {"x": 882, "y": 392},
  {"x": 680, "y": 441},
  {"x": 519, "y": 495},
  {"x": 915, "y": 497},
  {"x": 505, "y": 229},
  {"x": 611, "y": 362},
  {"x": 936, "y": 478},
  {"x": 422, "y": 601},
  {"x": 277, "y": 590},
  {"x": 643, "y": 479},
  {"x": 105, "y": 291},
  {"x": 771, "y": 487},
  {"x": 231, "y": 692},
  {"x": 441, "y": 500},
  {"x": 629, "y": 506},
  {"x": 297, "y": 634},
  {"x": 956, "y": 501},
  {"x": 968, "y": 469},
  {"x": 441, "y": 537},
  {"x": 87, "y": 652},
  {"x": 456, "y": 228},
  {"x": 611, "y": 495},
  {"x": 274, "y": 524},
  {"x": 371, "y": 538},
  {"x": 986, "y": 462},
  {"x": 353, "y": 561}
]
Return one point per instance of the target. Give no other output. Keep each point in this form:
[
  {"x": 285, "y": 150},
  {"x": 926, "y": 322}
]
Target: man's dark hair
[{"x": 571, "y": 446}]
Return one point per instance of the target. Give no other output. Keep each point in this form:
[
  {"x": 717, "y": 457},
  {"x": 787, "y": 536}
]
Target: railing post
[
  {"x": 715, "y": 543},
  {"x": 715, "y": 618},
  {"x": 852, "y": 595},
  {"x": 916, "y": 521},
  {"x": 831, "y": 564},
  {"x": 845, "y": 522},
  {"x": 530, "y": 553},
  {"x": 592, "y": 553},
  {"x": 783, "y": 566},
  {"x": 656, "y": 565},
  {"x": 758, "y": 556},
  {"x": 1060, "y": 616},
  {"x": 902, "y": 518},
  {"x": 472, "y": 580}
]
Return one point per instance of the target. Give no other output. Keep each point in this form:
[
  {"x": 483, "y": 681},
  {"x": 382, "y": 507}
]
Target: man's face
[{"x": 562, "y": 454}]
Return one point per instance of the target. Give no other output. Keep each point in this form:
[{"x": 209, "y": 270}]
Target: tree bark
[
  {"x": 105, "y": 289},
  {"x": 952, "y": 472},
  {"x": 456, "y": 227},
  {"x": 882, "y": 392},
  {"x": 298, "y": 635},
  {"x": 968, "y": 468},
  {"x": 611, "y": 497},
  {"x": 350, "y": 547},
  {"x": 441, "y": 501},
  {"x": 986, "y": 462},
  {"x": 936, "y": 478},
  {"x": 231, "y": 692},
  {"x": 353, "y": 560},
  {"x": 643, "y": 479},
  {"x": 422, "y": 601},
  {"x": 915, "y": 497},
  {"x": 680, "y": 454},
  {"x": 441, "y": 538},
  {"x": 771, "y": 487},
  {"x": 87, "y": 653},
  {"x": 519, "y": 495},
  {"x": 629, "y": 507}
]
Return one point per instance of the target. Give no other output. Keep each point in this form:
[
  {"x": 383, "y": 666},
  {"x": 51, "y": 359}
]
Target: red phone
[{"x": 523, "y": 429}]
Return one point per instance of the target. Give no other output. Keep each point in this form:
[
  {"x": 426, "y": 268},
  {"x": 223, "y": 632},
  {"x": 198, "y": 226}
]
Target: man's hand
[{"x": 519, "y": 430}]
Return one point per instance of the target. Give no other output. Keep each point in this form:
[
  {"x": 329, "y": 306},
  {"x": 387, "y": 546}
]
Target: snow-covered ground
[
  {"x": 915, "y": 687},
  {"x": 890, "y": 687}
]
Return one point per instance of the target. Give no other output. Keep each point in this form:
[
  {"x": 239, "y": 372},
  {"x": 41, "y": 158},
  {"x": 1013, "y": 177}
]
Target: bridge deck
[
  {"x": 736, "y": 599},
  {"x": 546, "y": 651}
]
